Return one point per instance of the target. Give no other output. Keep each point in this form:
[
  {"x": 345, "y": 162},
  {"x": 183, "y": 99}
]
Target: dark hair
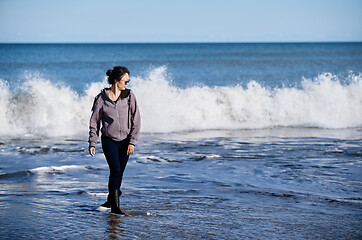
[{"x": 116, "y": 74}]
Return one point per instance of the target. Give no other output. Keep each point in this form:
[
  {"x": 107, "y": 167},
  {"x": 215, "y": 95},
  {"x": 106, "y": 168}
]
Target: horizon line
[{"x": 188, "y": 42}]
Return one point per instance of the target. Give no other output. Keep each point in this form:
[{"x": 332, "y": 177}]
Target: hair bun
[
  {"x": 116, "y": 74},
  {"x": 109, "y": 73}
]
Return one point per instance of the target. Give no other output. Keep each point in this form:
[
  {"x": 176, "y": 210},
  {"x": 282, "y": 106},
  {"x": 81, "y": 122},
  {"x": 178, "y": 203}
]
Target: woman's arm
[
  {"x": 94, "y": 124},
  {"x": 136, "y": 120}
]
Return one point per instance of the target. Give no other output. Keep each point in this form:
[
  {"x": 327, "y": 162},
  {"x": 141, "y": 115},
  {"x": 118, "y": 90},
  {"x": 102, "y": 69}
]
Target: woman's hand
[
  {"x": 92, "y": 151},
  {"x": 130, "y": 149}
]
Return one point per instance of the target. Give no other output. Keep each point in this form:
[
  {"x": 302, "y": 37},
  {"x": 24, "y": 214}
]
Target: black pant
[{"x": 117, "y": 158}]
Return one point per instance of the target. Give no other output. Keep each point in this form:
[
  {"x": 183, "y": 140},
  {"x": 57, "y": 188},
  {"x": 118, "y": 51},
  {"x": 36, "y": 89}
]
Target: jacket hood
[{"x": 124, "y": 93}]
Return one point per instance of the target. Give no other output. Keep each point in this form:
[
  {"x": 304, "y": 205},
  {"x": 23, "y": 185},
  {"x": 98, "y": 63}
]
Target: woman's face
[{"x": 121, "y": 84}]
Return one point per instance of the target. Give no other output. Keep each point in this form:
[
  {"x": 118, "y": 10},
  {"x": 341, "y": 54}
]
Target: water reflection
[{"x": 115, "y": 228}]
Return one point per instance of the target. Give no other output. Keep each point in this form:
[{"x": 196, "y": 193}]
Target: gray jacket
[{"x": 120, "y": 119}]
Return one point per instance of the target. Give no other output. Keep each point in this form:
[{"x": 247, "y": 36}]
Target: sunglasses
[{"x": 126, "y": 82}]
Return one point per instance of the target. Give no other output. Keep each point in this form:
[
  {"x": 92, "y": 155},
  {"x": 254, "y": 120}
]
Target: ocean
[{"x": 238, "y": 141}]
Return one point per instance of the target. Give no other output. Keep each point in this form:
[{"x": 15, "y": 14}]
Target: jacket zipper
[
  {"x": 129, "y": 109},
  {"x": 119, "y": 123}
]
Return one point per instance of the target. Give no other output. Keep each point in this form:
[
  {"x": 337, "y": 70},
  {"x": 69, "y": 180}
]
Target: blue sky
[{"x": 180, "y": 20}]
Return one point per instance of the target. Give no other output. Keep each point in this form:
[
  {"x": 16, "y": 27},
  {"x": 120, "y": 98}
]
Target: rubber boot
[
  {"x": 115, "y": 202},
  {"x": 107, "y": 204}
]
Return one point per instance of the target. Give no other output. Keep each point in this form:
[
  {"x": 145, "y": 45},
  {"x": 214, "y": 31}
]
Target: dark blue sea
[{"x": 238, "y": 141}]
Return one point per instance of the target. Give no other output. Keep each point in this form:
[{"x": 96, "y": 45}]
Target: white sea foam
[
  {"x": 104, "y": 194},
  {"x": 58, "y": 169},
  {"x": 45, "y": 109}
]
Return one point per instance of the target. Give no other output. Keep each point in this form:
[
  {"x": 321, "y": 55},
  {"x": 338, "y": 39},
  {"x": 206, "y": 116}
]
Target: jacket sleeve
[
  {"x": 95, "y": 121},
  {"x": 135, "y": 120}
]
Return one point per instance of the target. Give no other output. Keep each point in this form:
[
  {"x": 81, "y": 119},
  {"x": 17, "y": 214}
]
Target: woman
[{"x": 116, "y": 108}]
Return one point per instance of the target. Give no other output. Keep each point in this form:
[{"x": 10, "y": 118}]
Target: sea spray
[
  {"x": 322, "y": 102},
  {"x": 4, "y": 103},
  {"x": 42, "y": 108}
]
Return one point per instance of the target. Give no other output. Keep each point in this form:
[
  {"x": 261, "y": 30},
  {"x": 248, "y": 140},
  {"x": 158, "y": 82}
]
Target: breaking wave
[{"x": 42, "y": 108}]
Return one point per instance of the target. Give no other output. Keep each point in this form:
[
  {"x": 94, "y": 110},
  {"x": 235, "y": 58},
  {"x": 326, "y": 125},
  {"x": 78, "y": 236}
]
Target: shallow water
[
  {"x": 238, "y": 141},
  {"x": 280, "y": 183}
]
